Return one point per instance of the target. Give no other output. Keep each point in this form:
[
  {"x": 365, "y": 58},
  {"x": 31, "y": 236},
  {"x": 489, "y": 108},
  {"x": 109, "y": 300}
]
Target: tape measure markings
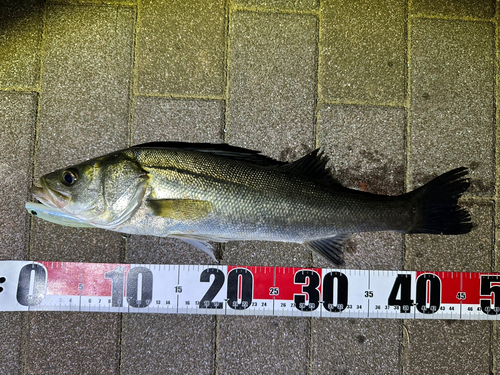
[{"x": 248, "y": 290}]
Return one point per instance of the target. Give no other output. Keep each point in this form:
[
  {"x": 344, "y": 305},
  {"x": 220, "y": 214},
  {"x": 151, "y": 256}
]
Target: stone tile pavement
[{"x": 395, "y": 91}]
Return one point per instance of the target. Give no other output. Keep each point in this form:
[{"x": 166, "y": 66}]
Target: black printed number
[
  {"x": 310, "y": 282},
  {"x": 402, "y": 286},
  {"x": 31, "y": 285},
  {"x": 239, "y": 288},
  {"x": 428, "y": 284},
  {"x": 139, "y": 287},
  {"x": 207, "y": 301},
  {"x": 139, "y": 291},
  {"x": 486, "y": 291},
  {"x": 329, "y": 293}
]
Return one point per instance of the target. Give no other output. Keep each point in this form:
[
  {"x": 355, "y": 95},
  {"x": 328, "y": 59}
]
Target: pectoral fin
[
  {"x": 330, "y": 248},
  {"x": 180, "y": 209}
]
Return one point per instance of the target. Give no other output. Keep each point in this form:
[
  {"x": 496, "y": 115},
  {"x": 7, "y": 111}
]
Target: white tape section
[{"x": 248, "y": 290}]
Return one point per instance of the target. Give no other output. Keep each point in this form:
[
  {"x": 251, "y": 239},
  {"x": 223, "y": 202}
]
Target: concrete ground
[{"x": 394, "y": 91}]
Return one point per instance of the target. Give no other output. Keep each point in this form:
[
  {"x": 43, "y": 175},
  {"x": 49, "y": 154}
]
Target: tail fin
[{"x": 437, "y": 204}]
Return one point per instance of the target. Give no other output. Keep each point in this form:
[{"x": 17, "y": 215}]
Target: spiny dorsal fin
[
  {"x": 313, "y": 166},
  {"x": 180, "y": 209}
]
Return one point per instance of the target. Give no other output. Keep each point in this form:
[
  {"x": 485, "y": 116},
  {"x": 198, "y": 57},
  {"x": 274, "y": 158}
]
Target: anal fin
[
  {"x": 330, "y": 248},
  {"x": 200, "y": 245}
]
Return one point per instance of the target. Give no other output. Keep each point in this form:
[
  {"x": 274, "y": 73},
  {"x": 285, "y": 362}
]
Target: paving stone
[
  {"x": 73, "y": 343},
  {"x": 454, "y": 8},
  {"x": 366, "y": 146},
  {"x": 86, "y": 80},
  {"x": 17, "y": 124},
  {"x": 432, "y": 347},
  {"x": 271, "y": 102},
  {"x": 84, "y": 113},
  {"x": 161, "y": 344},
  {"x": 356, "y": 346},
  {"x": 181, "y": 47},
  {"x": 20, "y": 36},
  {"x": 363, "y": 51},
  {"x": 452, "y": 89},
  {"x": 183, "y": 120},
  {"x": 258, "y": 345},
  {"x": 452, "y": 107},
  {"x": 279, "y": 4},
  {"x": 11, "y": 345}
]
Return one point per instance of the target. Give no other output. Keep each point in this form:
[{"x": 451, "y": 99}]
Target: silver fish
[{"x": 204, "y": 192}]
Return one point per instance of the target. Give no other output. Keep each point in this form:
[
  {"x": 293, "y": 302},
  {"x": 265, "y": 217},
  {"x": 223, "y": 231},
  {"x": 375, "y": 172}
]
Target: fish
[{"x": 202, "y": 193}]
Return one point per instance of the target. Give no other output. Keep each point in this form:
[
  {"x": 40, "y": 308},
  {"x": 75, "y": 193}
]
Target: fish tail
[{"x": 437, "y": 206}]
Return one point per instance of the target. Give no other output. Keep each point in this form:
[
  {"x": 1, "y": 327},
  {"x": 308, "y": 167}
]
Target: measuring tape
[{"x": 252, "y": 291}]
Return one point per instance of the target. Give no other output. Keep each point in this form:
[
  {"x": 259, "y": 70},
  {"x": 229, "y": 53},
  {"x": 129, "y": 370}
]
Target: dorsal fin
[
  {"x": 219, "y": 149},
  {"x": 313, "y": 166}
]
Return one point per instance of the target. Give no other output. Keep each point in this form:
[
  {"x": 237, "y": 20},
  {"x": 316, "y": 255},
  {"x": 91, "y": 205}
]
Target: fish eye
[{"x": 69, "y": 177}]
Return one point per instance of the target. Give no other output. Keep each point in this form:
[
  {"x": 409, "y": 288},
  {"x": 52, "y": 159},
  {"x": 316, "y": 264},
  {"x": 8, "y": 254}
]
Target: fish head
[{"x": 104, "y": 191}]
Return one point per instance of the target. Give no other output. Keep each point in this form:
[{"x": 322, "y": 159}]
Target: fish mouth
[{"x": 49, "y": 196}]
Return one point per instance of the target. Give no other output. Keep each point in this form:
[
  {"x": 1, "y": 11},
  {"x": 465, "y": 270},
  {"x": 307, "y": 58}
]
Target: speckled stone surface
[
  {"x": 279, "y": 4},
  {"x": 271, "y": 103},
  {"x": 181, "y": 47},
  {"x": 447, "y": 347},
  {"x": 365, "y": 146},
  {"x": 17, "y": 122},
  {"x": 257, "y": 345},
  {"x": 362, "y": 51},
  {"x": 73, "y": 343},
  {"x": 11, "y": 346},
  {"x": 454, "y": 8},
  {"x": 168, "y": 344},
  {"x": 452, "y": 100},
  {"x": 87, "y": 63},
  {"x": 367, "y": 352},
  {"x": 162, "y": 120},
  {"x": 20, "y": 41},
  {"x": 265, "y": 253}
]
